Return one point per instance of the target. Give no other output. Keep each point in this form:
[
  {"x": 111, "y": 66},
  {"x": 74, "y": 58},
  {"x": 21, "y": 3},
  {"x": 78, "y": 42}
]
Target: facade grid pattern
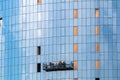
[{"x": 37, "y": 32}]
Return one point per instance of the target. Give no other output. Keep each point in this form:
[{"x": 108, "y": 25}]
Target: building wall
[{"x": 85, "y": 32}]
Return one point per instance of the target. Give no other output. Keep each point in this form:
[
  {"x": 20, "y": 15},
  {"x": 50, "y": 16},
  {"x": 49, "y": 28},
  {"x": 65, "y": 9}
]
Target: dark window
[
  {"x": 75, "y": 79},
  {"x": 38, "y": 50},
  {"x": 0, "y": 18},
  {"x": 38, "y": 67},
  {"x": 97, "y": 78},
  {"x": 0, "y": 22}
]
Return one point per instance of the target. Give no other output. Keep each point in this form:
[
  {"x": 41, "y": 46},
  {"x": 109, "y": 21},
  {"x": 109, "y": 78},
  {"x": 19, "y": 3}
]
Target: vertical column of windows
[
  {"x": 75, "y": 34},
  {"x": 39, "y": 47},
  {"x": 97, "y": 45}
]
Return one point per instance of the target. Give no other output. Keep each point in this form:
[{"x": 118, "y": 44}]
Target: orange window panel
[
  {"x": 75, "y": 65},
  {"x": 39, "y": 1},
  {"x": 97, "y": 13},
  {"x": 97, "y": 64},
  {"x": 75, "y": 48},
  {"x": 75, "y": 31},
  {"x": 97, "y": 31},
  {"x": 97, "y": 46},
  {"x": 75, "y": 13}
]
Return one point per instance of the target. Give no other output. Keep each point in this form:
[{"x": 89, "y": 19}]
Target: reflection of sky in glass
[{"x": 27, "y": 25}]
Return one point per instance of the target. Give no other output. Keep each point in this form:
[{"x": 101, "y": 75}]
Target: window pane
[
  {"x": 39, "y": 1},
  {"x": 75, "y": 48},
  {"x": 38, "y": 67},
  {"x": 75, "y": 13},
  {"x": 97, "y": 78},
  {"x": 38, "y": 50},
  {"x": 75, "y": 0},
  {"x": 0, "y": 22},
  {"x": 75, "y": 79},
  {"x": 97, "y": 47},
  {"x": 75, "y": 31},
  {"x": 97, "y": 64},
  {"x": 75, "y": 65},
  {"x": 96, "y": 12},
  {"x": 97, "y": 30}
]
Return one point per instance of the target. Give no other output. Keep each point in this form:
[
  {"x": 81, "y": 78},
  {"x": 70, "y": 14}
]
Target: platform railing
[{"x": 58, "y": 66}]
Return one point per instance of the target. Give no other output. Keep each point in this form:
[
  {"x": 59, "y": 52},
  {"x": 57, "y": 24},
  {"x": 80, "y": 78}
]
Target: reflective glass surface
[{"x": 36, "y": 32}]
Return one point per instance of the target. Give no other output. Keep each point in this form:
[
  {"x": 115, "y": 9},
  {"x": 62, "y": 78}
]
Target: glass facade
[{"x": 59, "y": 40}]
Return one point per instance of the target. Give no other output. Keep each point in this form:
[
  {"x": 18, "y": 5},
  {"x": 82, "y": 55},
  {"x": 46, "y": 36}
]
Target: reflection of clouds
[
  {"x": 2, "y": 48},
  {"x": 39, "y": 16},
  {"x": 31, "y": 34},
  {"x": 28, "y": 30},
  {"x": 24, "y": 2},
  {"x": 114, "y": 23},
  {"x": 39, "y": 35},
  {"x": 1, "y": 30},
  {"x": 0, "y": 38}
]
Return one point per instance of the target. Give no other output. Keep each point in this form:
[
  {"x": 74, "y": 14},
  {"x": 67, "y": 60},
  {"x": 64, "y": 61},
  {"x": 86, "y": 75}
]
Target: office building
[{"x": 59, "y": 40}]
